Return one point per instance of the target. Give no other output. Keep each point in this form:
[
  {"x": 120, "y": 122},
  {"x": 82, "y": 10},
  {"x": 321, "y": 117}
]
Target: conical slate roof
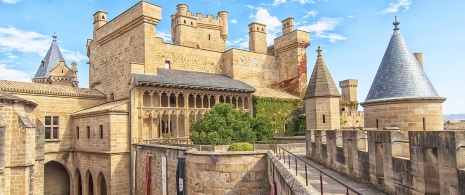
[
  {"x": 50, "y": 61},
  {"x": 321, "y": 83},
  {"x": 400, "y": 75}
]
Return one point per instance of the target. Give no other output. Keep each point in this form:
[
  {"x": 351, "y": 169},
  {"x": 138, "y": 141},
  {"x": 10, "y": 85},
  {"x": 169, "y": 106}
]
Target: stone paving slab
[{"x": 330, "y": 186}]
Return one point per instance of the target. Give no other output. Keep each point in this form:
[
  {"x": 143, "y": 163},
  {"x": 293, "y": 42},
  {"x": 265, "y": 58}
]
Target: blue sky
[{"x": 353, "y": 33}]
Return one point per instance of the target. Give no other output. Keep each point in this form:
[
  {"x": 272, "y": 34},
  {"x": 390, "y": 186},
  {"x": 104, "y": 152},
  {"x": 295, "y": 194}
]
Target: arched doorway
[
  {"x": 78, "y": 182},
  {"x": 102, "y": 184},
  {"x": 90, "y": 183},
  {"x": 56, "y": 179}
]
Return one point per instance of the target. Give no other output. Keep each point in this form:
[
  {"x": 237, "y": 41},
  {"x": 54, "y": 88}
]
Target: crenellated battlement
[{"x": 199, "y": 31}]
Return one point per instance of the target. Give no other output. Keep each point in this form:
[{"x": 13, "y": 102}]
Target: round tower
[
  {"x": 181, "y": 9},
  {"x": 401, "y": 94},
  {"x": 100, "y": 19},
  {"x": 224, "y": 20}
]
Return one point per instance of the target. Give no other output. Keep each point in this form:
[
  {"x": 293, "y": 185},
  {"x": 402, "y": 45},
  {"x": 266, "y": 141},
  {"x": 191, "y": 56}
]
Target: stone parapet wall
[
  {"x": 414, "y": 162},
  {"x": 233, "y": 173}
]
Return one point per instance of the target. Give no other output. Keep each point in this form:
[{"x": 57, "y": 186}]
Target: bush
[
  {"x": 223, "y": 125},
  {"x": 241, "y": 146}
]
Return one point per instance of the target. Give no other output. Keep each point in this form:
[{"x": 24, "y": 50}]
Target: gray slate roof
[
  {"x": 191, "y": 79},
  {"x": 321, "y": 83},
  {"x": 400, "y": 75},
  {"x": 50, "y": 61}
]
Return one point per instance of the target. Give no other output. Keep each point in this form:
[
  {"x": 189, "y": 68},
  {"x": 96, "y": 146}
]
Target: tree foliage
[
  {"x": 225, "y": 125},
  {"x": 240, "y": 146}
]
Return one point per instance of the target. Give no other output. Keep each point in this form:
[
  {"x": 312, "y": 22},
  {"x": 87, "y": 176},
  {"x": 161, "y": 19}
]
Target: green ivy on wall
[{"x": 283, "y": 113}]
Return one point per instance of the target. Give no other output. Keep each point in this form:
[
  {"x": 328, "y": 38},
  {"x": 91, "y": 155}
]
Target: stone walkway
[{"x": 330, "y": 186}]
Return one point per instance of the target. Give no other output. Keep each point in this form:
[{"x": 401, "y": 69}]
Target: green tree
[{"x": 223, "y": 125}]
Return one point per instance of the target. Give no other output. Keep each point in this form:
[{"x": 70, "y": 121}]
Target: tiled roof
[
  {"x": 102, "y": 107},
  {"x": 400, "y": 75},
  {"x": 50, "y": 61},
  {"x": 39, "y": 88},
  {"x": 321, "y": 83},
  {"x": 8, "y": 97},
  {"x": 190, "y": 79},
  {"x": 275, "y": 93}
]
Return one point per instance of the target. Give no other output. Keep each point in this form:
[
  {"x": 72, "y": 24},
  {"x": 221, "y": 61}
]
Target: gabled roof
[
  {"x": 190, "y": 79},
  {"x": 105, "y": 107},
  {"x": 4, "y": 96},
  {"x": 50, "y": 61},
  {"x": 400, "y": 75},
  {"x": 39, "y": 88},
  {"x": 321, "y": 83}
]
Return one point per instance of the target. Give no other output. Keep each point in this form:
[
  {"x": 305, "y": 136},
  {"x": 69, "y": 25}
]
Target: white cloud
[
  {"x": 320, "y": 28},
  {"x": 73, "y": 56},
  {"x": 305, "y": 1},
  {"x": 278, "y": 2},
  {"x": 165, "y": 36},
  {"x": 250, "y": 7},
  {"x": 273, "y": 24},
  {"x": 394, "y": 7},
  {"x": 11, "y": 56},
  {"x": 12, "y": 39},
  {"x": 241, "y": 43},
  {"x": 11, "y": 1},
  {"x": 13, "y": 75},
  {"x": 233, "y": 21},
  {"x": 311, "y": 13},
  {"x": 350, "y": 16}
]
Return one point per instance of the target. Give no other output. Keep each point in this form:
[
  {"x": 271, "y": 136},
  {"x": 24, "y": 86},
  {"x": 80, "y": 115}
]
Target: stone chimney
[{"x": 419, "y": 57}]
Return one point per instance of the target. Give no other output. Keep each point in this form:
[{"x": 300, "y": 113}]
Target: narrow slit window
[
  {"x": 424, "y": 124},
  {"x": 77, "y": 132},
  {"x": 324, "y": 118},
  {"x": 167, "y": 64},
  {"x": 88, "y": 132},
  {"x": 377, "y": 124},
  {"x": 209, "y": 37},
  {"x": 101, "y": 131}
]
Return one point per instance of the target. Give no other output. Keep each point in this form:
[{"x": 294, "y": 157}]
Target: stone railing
[{"x": 415, "y": 162}]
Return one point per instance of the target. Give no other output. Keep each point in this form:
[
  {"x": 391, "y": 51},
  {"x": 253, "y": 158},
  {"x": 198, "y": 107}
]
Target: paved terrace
[{"x": 330, "y": 186}]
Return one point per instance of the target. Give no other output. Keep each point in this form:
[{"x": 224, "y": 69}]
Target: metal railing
[{"x": 281, "y": 154}]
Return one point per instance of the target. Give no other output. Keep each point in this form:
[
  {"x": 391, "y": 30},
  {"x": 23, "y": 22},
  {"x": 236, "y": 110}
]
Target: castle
[{"x": 57, "y": 138}]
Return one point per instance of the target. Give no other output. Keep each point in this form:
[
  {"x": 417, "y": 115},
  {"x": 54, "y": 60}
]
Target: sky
[{"x": 354, "y": 34}]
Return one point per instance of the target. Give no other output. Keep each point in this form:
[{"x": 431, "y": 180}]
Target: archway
[
  {"x": 56, "y": 178},
  {"x": 78, "y": 182},
  {"x": 90, "y": 183},
  {"x": 102, "y": 184}
]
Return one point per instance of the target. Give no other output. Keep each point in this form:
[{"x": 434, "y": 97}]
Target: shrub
[{"x": 240, "y": 146}]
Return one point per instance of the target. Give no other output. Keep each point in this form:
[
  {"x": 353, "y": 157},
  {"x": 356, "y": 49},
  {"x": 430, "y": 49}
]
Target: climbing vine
[{"x": 283, "y": 113}]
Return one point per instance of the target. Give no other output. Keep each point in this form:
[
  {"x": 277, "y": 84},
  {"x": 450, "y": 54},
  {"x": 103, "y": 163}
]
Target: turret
[
  {"x": 181, "y": 9},
  {"x": 100, "y": 19},
  {"x": 419, "y": 57},
  {"x": 257, "y": 38},
  {"x": 224, "y": 20},
  {"x": 288, "y": 25}
]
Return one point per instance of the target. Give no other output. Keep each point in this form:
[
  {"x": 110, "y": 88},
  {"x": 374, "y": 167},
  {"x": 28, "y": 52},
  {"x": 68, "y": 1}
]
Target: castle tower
[
  {"x": 322, "y": 98},
  {"x": 288, "y": 25},
  {"x": 100, "y": 19},
  {"x": 53, "y": 69},
  {"x": 349, "y": 92},
  {"x": 257, "y": 37},
  {"x": 401, "y": 94},
  {"x": 197, "y": 31},
  {"x": 291, "y": 56}
]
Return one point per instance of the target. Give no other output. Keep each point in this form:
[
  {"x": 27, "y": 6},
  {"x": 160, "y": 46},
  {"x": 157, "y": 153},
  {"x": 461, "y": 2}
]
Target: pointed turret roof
[
  {"x": 400, "y": 75},
  {"x": 50, "y": 61},
  {"x": 321, "y": 83}
]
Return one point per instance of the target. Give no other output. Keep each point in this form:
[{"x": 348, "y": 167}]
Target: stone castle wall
[{"x": 429, "y": 162}]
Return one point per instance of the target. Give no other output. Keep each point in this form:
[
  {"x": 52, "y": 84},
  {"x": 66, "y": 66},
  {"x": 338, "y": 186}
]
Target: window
[
  {"x": 209, "y": 37},
  {"x": 51, "y": 127},
  {"x": 377, "y": 124},
  {"x": 324, "y": 119},
  {"x": 88, "y": 132},
  {"x": 101, "y": 131},
  {"x": 167, "y": 64},
  {"x": 77, "y": 132},
  {"x": 424, "y": 124}
]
